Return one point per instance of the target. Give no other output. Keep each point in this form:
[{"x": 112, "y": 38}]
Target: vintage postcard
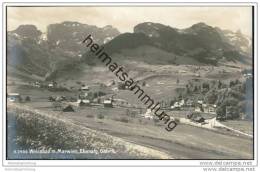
[{"x": 129, "y": 81}]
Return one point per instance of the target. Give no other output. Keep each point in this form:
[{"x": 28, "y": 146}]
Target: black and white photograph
[{"x": 129, "y": 82}]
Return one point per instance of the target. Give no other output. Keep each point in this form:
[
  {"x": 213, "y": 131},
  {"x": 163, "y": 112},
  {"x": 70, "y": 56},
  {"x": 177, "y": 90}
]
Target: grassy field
[
  {"x": 185, "y": 142},
  {"x": 244, "y": 126},
  {"x": 31, "y": 129}
]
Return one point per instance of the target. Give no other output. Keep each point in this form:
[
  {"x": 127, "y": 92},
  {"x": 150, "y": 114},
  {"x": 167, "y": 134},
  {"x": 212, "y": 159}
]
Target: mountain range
[
  {"x": 31, "y": 53},
  {"x": 200, "y": 42}
]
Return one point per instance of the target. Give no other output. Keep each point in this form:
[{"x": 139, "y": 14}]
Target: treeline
[{"x": 234, "y": 98}]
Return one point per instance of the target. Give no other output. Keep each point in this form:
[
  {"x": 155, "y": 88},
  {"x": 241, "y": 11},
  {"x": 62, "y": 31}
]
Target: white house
[
  {"x": 50, "y": 85},
  {"x": 182, "y": 102},
  {"x": 84, "y": 88},
  {"x": 200, "y": 102}
]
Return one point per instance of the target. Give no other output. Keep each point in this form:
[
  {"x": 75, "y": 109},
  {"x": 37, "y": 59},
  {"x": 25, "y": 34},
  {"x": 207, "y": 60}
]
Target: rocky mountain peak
[{"x": 27, "y": 31}]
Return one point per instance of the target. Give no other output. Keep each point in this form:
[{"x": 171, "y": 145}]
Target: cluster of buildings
[
  {"x": 178, "y": 105},
  {"x": 204, "y": 107},
  {"x": 199, "y": 106},
  {"x": 247, "y": 75},
  {"x": 49, "y": 85},
  {"x": 84, "y": 99}
]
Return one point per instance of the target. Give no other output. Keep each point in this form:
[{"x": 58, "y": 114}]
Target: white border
[{"x": 175, "y": 163}]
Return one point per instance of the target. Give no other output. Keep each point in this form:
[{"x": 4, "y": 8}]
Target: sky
[{"x": 125, "y": 18}]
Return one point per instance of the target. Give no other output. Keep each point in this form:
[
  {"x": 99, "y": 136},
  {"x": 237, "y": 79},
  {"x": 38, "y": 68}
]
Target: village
[
  {"x": 206, "y": 104},
  {"x": 100, "y": 97}
]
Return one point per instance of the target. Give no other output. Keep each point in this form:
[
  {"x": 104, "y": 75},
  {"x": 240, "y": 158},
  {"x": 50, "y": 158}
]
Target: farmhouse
[
  {"x": 83, "y": 102},
  {"x": 189, "y": 103},
  {"x": 36, "y": 84},
  {"x": 200, "y": 102},
  {"x": 197, "y": 109},
  {"x": 177, "y": 105},
  {"x": 148, "y": 114},
  {"x": 115, "y": 89},
  {"x": 14, "y": 97},
  {"x": 206, "y": 108},
  {"x": 247, "y": 75},
  {"x": 209, "y": 108},
  {"x": 182, "y": 102},
  {"x": 84, "y": 88},
  {"x": 83, "y": 95},
  {"x": 108, "y": 103},
  {"x": 50, "y": 85}
]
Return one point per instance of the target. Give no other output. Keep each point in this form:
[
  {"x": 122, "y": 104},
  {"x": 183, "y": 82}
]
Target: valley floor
[{"x": 184, "y": 142}]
